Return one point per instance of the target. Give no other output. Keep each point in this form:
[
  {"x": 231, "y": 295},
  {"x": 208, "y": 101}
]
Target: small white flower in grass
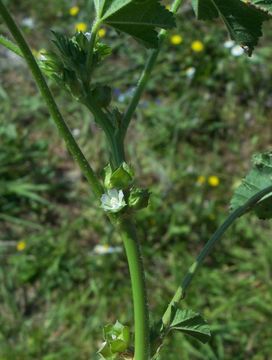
[
  {"x": 237, "y": 51},
  {"x": 229, "y": 44},
  {"x": 28, "y": 22},
  {"x": 113, "y": 200},
  {"x": 76, "y": 132},
  {"x": 88, "y": 35},
  {"x": 106, "y": 249},
  {"x": 190, "y": 72}
]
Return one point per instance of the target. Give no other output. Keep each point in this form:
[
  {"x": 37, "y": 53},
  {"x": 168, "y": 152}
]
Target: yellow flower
[
  {"x": 201, "y": 180},
  {"x": 168, "y": 7},
  {"x": 102, "y": 33},
  {"x": 197, "y": 46},
  {"x": 213, "y": 181},
  {"x": 176, "y": 39},
  {"x": 81, "y": 27},
  {"x": 20, "y": 246},
  {"x": 74, "y": 10}
]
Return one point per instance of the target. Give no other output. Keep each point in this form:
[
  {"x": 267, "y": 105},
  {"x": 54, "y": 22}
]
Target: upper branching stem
[
  {"x": 145, "y": 76},
  {"x": 10, "y": 45},
  {"x": 91, "y": 49}
]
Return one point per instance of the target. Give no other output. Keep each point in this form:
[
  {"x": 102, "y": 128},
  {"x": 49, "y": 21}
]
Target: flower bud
[{"x": 138, "y": 198}]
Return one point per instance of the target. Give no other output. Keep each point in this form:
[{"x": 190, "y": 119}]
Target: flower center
[{"x": 114, "y": 202}]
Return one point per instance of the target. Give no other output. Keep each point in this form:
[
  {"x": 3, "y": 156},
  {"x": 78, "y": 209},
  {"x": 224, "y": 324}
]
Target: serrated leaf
[
  {"x": 258, "y": 178},
  {"x": 190, "y": 323},
  {"x": 138, "y": 18},
  {"x": 204, "y": 10},
  {"x": 265, "y": 5},
  {"x": 243, "y": 19}
]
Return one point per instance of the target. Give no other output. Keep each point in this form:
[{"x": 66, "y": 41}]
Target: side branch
[
  {"x": 51, "y": 104},
  {"x": 242, "y": 210},
  {"x": 145, "y": 76}
]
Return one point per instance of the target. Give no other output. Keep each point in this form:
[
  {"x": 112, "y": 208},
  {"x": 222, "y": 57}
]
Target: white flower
[
  {"x": 190, "y": 72},
  {"x": 76, "y": 132},
  {"x": 42, "y": 57},
  {"x": 229, "y": 44},
  {"x": 237, "y": 51},
  {"x": 113, "y": 200},
  {"x": 88, "y": 35},
  {"x": 28, "y": 22},
  {"x": 106, "y": 249}
]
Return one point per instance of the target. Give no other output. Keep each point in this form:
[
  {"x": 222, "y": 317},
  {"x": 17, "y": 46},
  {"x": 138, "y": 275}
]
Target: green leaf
[
  {"x": 265, "y": 5},
  {"x": 243, "y": 19},
  {"x": 190, "y": 323},
  {"x": 258, "y": 178},
  {"x": 138, "y": 18},
  {"x": 204, "y": 10}
]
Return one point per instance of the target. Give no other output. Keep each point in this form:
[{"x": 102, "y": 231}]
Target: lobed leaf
[
  {"x": 190, "y": 323},
  {"x": 138, "y": 18},
  {"x": 265, "y": 5},
  {"x": 258, "y": 178},
  {"x": 243, "y": 19}
]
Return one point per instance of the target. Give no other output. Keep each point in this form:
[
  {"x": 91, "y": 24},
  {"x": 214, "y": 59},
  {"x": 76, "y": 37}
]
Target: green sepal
[
  {"x": 67, "y": 64},
  {"x": 138, "y": 198},
  {"x": 117, "y": 339},
  {"x": 106, "y": 353},
  {"x": 120, "y": 178}
]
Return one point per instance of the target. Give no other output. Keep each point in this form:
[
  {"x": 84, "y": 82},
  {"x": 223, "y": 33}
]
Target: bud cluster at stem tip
[{"x": 120, "y": 191}]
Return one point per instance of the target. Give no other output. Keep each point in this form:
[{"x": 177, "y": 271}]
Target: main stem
[
  {"x": 141, "y": 317},
  {"x": 51, "y": 104},
  {"x": 132, "y": 246}
]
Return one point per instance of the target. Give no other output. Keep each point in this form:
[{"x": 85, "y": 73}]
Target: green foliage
[
  {"x": 243, "y": 21},
  {"x": 259, "y": 177},
  {"x": 120, "y": 178},
  {"x": 67, "y": 65},
  {"x": 116, "y": 341},
  {"x": 138, "y": 198},
  {"x": 265, "y": 5},
  {"x": 138, "y": 18},
  {"x": 190, "y": 323},
  {"x": 37, "y": 322}
]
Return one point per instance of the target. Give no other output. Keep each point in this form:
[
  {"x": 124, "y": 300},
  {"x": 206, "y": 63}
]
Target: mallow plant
[{"x": 72, "y": 65}]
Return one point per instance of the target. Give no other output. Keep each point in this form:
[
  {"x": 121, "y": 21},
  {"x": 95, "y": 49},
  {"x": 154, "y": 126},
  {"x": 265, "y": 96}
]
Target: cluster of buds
[{"x": 120, "y": 191}]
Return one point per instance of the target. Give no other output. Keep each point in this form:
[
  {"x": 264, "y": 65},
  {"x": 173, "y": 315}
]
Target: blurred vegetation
[{"x": 204, "y": 114}]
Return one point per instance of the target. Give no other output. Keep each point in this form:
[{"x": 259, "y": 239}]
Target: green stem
[
  {"x": 51, "y": 104},
  {"x": 90, "y": 54},
  {"x": 141, "y": 317},
  {"x": 181, "y": 291},
  {"x": 10, "y": 45},
  {"x": 114, "y": 141},
  {"x": 145, "y": 76}
]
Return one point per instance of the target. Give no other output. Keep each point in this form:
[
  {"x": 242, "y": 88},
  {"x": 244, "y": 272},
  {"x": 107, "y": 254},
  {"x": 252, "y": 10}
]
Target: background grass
[{"x": 56, "y": 294}]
